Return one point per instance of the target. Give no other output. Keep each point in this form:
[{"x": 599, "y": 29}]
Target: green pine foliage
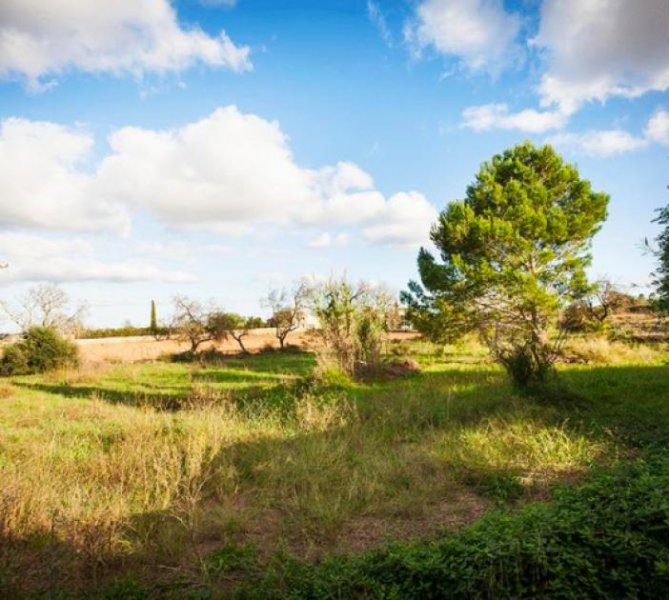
[
  {"x": 153, "y": 326},
  {"x": 661, "y": 275},
  {"x": 511, "y": 254}
]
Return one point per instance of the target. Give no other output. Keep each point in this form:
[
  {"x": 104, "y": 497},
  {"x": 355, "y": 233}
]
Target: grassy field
[{"x": 164, "y": 479}]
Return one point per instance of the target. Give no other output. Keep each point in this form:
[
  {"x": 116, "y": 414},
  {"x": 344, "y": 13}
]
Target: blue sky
[{"x": 220, "y": 149}]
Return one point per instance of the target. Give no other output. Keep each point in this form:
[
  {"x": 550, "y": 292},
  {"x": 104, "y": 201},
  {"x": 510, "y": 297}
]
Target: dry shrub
[{"x": 354, "y": 323}]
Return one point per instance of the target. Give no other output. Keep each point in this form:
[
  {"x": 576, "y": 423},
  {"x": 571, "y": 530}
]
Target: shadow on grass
[
  {"x": 631, "y": 403},
  {"x": 315, "y": 481},
  {"x": 291, "y": 361},
  {"x": 157, "y": 400},
  {"x": 236, "y": 376},
  {"x": 243, "y": 379}
]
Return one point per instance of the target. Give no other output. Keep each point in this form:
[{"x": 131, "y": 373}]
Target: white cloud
[
  {"x": 322, "y": 241},
  {"x": 342, "y": 239},
  {"x": 657, "y": 129},
  {"x": 612, "y": 142},
  {"x": 179, "y": 250},
  {"x": 379, "y": 21},
  {"x": 325, "y": 240},
  {"x": 41, "y": 39},
  {"x": 599, "y": 143},
  {"x": 497, "y": 116},
  {"x": 478, "y": 32},
  {"x": 343, "y": 177},
  {"x": 44, "y": 183},
  {"x": 353, "y": 208},
  {"x": 223, "y": 173},
  {"x": 596, "y": 49},
  {"x": 35, "y": 258},
  {"x": 229, "y": 172},
  {"x": 406, "y": 221}
]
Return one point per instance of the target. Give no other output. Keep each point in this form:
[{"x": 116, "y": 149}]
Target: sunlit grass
[{"x": 98, "y": 469}]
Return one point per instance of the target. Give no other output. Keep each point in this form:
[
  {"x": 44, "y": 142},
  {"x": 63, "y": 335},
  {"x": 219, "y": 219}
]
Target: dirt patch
[
  {"x": 366, "y": 533},
  {"x": 401, "y": 368},
  {"x": 266, "y": 529}
]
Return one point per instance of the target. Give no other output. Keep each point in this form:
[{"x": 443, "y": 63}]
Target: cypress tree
[{"x": 154, "y": 321}]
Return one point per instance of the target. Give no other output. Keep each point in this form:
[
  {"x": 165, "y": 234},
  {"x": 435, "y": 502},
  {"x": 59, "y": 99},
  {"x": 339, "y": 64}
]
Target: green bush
[
  {"x": 41, "y": 349},
  {"x": 606, "y": 539}
]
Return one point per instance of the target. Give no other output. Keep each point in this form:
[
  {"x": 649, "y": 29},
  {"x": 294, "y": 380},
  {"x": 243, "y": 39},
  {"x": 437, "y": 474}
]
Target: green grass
[{"x": 193, "y": 479}]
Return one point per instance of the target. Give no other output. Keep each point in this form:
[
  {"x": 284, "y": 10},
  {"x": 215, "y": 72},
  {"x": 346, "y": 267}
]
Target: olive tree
[
  {"x": 235, "y": 326},
  {"x": 196, "y": 323},
  {"x": 288, "y": 309},
  {"x": 512, "y": 253}
]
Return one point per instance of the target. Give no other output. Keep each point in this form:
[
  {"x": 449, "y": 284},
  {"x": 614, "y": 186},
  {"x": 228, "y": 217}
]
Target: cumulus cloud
[
  {"x": 405, "y": 222},
  {"x": 657, "y": 129},
  {"x": 596, "y": 49},
  {"x": 603, "y": 143},
  {"x": 611, "y": 142},
  {"x": 497, "y": 116},
  {"x": 35, "y": 258},
  {"x": 480, "y": 33},
  {"x": 41, "y": 39},
  {"x": 44, "y": 183},
  {"x": 228, "y": 172},
  {"x": 223, "y": 173},
  {"x": 231, "y": 172}
]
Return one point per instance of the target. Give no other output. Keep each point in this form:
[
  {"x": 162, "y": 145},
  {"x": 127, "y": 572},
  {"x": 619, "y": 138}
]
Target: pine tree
[
  {"x": 513, "y": 253},
  {"x": 661, "y": 274}
]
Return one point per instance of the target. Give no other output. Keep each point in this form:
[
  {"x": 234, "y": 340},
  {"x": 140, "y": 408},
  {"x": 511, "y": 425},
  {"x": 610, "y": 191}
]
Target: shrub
[
  {"x": 41, "y": 349},
  {"x": 14, "y": 361},
  {"x": 354, "y": 323}
]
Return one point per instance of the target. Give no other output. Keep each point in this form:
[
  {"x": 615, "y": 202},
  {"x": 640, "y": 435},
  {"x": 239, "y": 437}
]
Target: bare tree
[
  {"x": 47, "y": 305},
  {"x": 196, "y": 323},
  {"x": 288, "y": 310}
]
